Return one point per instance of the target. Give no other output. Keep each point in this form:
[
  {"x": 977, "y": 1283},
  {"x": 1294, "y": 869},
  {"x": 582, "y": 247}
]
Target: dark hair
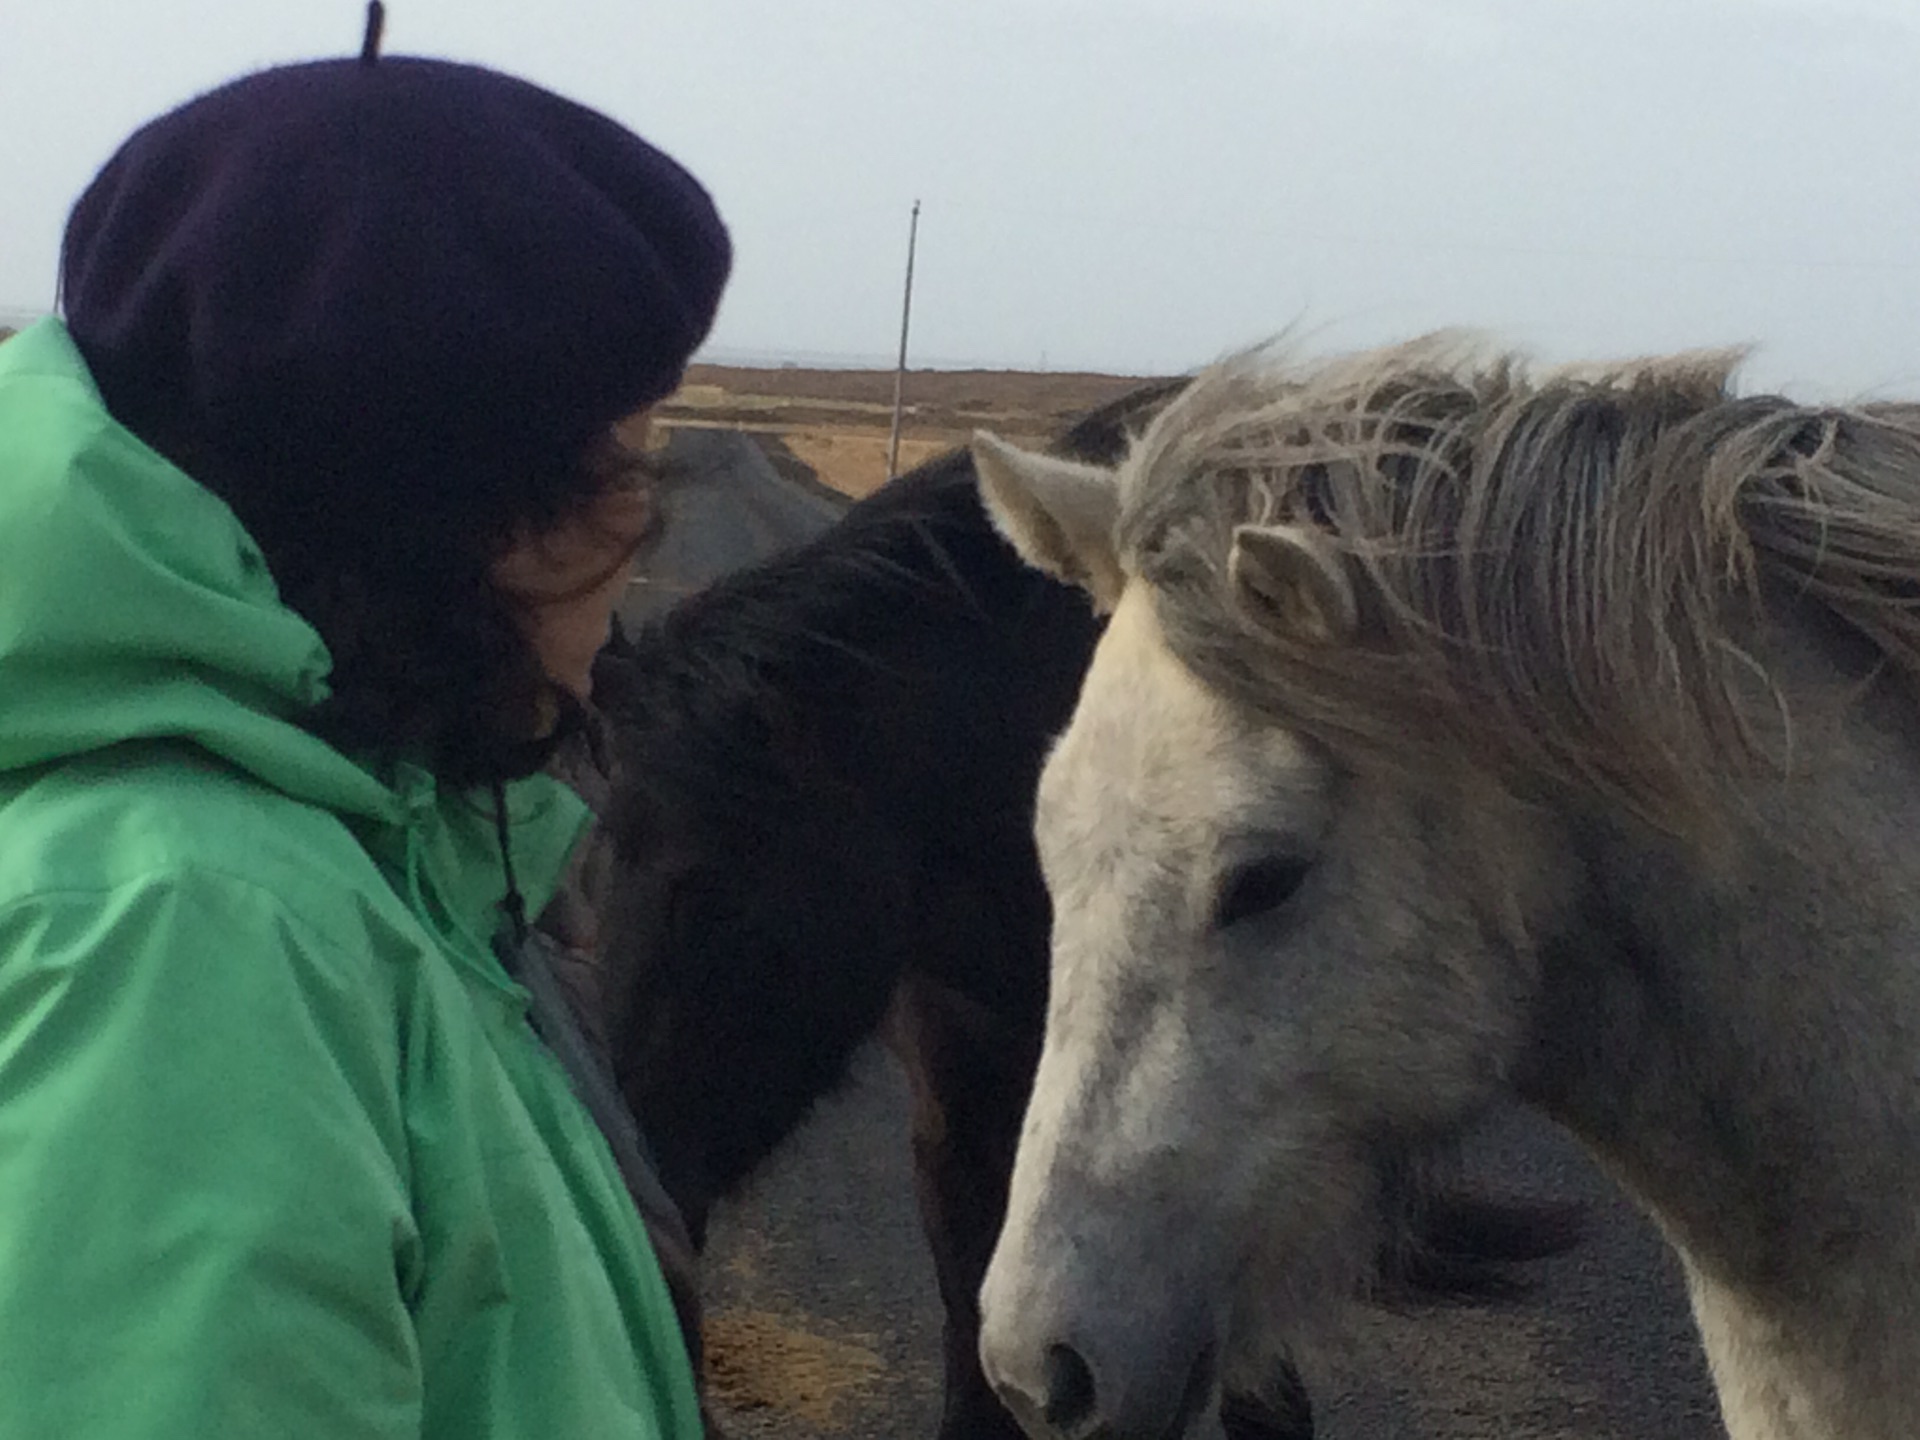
[
  {"x": 384, "y": 310},
  {"x": 430, "y": 660}
]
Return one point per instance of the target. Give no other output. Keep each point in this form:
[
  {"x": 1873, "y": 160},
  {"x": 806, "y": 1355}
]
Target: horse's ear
[
  {"x": 1059, "y": 514},
  {"x": 1289, "y": 578}
]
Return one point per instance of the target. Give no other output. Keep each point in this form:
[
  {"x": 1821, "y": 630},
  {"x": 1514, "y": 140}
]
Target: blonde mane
[{"x": 1543, "y": 564}]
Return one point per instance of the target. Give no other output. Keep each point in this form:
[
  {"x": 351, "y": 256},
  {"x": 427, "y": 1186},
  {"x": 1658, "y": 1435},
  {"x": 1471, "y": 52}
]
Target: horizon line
[{"x": 756, "y": 357}]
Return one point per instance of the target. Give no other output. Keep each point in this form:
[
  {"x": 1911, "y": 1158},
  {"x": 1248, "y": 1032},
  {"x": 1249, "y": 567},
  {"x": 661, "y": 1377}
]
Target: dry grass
[
  {"x": 1058, "y": 393},
  {"x": 837, "y": 422},
  {"x": 853, "y": 462},
  {"x": 759, "y": 1361}
]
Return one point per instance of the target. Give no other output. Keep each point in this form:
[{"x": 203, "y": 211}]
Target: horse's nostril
[{"x": 1070, "y": 1395}]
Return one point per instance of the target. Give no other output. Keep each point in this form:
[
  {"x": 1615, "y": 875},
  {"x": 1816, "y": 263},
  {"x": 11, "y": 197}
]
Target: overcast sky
[{"x": 1142, "y": 185}]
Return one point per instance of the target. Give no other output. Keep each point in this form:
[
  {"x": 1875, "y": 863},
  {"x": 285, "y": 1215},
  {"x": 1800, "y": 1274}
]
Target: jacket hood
[{"x": 134, "y": 606}]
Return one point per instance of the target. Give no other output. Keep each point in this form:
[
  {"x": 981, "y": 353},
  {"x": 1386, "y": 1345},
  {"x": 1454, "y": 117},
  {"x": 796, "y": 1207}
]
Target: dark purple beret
[{"x": 429, "y": 273}]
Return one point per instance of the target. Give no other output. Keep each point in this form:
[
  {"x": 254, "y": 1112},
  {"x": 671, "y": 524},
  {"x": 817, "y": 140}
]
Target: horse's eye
[{"x": 1258, "y": 887}]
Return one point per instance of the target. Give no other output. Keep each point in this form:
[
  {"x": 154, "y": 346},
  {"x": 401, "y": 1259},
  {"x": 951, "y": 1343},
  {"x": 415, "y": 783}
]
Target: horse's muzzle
[{"x": 1124, "y": 1382}]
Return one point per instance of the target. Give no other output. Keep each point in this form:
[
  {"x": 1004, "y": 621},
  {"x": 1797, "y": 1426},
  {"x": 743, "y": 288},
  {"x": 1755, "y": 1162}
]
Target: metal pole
[{"x": 900, "y": 370}]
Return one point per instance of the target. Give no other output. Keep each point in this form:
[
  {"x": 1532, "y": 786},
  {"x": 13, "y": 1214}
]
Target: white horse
[{"x": 1456, "y": 733}]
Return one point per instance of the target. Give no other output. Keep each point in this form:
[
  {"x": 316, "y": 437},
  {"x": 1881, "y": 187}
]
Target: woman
[{"x": 311, "y": 518}]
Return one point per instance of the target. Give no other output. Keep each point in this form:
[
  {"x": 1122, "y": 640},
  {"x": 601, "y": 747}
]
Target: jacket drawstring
[{"x": 513, "y": 902}]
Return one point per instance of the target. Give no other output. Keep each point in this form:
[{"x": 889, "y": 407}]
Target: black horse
[{"x": 822, "y": 820}]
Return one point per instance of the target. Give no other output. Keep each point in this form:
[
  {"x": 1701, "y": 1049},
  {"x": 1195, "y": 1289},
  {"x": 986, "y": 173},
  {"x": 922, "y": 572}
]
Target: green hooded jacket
[{"x": 279, "y": 1154}]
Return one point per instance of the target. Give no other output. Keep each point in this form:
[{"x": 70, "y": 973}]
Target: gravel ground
[{"x": 827, "y": 1320}]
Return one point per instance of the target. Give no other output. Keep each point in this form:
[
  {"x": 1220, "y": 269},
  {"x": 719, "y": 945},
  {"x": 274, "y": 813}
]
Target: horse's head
[{"x": 1275, "y": 970}]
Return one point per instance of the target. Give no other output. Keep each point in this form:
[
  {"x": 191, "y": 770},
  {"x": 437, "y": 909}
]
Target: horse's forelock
[{"x": 1542, "y": 564}]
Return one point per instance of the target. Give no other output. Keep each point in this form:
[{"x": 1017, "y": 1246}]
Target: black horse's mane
[
  {"x": 793, "y": 637},
  {"x": 788, "y": 640},
  {"x": 779, "y": 615}
]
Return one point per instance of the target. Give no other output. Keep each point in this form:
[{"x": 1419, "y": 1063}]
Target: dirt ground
[{"x": 836, "y": 423}]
